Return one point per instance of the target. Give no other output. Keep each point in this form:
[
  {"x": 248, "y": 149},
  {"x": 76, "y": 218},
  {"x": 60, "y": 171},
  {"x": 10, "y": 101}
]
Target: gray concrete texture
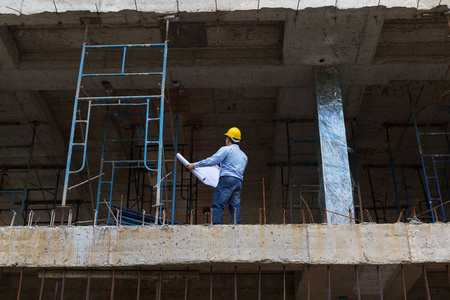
[{"x": 190, "y": 245}]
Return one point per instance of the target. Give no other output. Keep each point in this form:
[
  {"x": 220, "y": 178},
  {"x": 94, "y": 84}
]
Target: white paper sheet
[{"x": 207, "y": 175}]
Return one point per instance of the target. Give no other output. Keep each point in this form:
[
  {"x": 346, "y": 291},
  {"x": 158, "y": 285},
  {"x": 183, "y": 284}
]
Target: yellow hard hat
[{"x": 234, "y": 133}]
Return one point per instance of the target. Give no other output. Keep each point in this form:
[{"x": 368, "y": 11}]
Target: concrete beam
[
  {"x": 234, "y": 76},
  {"x": 369, "y": 244},
  {"x": 9, "y": 53}
]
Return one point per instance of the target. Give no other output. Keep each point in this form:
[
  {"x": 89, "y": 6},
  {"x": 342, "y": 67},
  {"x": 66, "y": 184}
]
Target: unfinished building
[{"x": 343, "y": 107}]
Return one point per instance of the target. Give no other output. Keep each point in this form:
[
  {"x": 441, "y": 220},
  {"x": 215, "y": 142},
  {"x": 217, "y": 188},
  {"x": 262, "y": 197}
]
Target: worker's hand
[{"x": 190, "y": 167}]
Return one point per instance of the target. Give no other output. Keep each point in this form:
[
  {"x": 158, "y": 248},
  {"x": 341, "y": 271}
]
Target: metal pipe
[
  {"x": 20, "y": 283},
  {"x": 379, "y": 283},
  {"x": 143, "y": 217},
  {"x": 427, "y": 288},
  {"x": 42, "y": 284}
]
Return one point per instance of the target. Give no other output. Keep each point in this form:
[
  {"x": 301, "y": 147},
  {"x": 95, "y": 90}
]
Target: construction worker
[{"x": 232, "y": 165}]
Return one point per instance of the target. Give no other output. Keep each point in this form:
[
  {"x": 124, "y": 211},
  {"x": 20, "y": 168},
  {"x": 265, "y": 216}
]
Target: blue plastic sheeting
[{"x": 336, "y": 194}]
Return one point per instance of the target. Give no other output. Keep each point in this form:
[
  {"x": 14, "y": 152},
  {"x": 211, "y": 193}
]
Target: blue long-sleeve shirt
[{"x": 232, "y": 161}]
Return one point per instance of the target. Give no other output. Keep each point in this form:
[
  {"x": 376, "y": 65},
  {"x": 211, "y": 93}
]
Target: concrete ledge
[
  {"x": 272, "y": 244},
  {"x": 29, "y": 7}
]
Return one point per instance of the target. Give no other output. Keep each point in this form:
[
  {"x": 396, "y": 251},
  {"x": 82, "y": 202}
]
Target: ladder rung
[
  {"x": 152, "y": 142},
  {"x": 81, "y": 121},
  {"x": 106, "y": 182},
  {"x": 152, "y": 119},
  {"x": 79, "y": 144},
  {"x": 432, "y": 177}
]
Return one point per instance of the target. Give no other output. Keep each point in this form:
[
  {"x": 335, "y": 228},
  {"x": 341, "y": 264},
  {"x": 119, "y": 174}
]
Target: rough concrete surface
[
  {"x": 272, "y": 244},
  {"x": 28, "y": 7}
]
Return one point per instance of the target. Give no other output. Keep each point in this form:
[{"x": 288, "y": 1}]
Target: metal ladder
[{"x": 431, "y": 160}]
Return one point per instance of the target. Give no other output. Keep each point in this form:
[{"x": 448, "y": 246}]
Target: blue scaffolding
[
  {"x": 151, "y": 115},
  {"x": 430, "y": 164}
]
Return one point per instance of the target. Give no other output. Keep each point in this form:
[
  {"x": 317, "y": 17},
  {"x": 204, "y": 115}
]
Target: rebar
[
  {"x": 113, "y": 283},
  {"x": 427, "y": 287},
  {"x": 62, "y": 283},
  {"x": 264, "y": 201},
  {"x": 404, "y": 283},
  {"x": 186, "y": 286},
  {"x": 368, "y": 215},
  {"x": 235, "y": 215},
  {"x": 121, "y": 211},
  {"x": 30, "y": 218},
  {"x": 52, "y": 218},
  {"x": 88, "y": 286},
  {"x": 69, "y": 218},
  {"x": 308, "y": 295},
  {"x": 324, "y": 212},
  {"x": 12, "y": 219},
  {"x": 139, "y": 284},
  {"x": 20, "y": 283},
  {"x": 448, "y": 275},
  {"x": 42, "y": 284},
  {"x": 303, "y": 216},
  {"x": 95, "y": 217},
  {"x": 235, "y": 282},
  {"x": 260, "y": 216},
  {"x": 143, "y": 217},
  {"x": 210, "y": 283},
  {"x": 350, "y": 215},
  {"x": 259, "y": 283},
  {"x": 358, "y": 288},
  {"x": 284, "y": 282},
  {"x": 191, "y": 217},
  {"x": 212, "y": 211},
  {"x": 164, "y": 217},
  {"x": 284, "y": 216},
  {"x": 160, "y": 284},
  {"x": 118, "y": 217},
  {"x": 379, "y": 282},
  {"x": 329, "y": 282},
  {"x": 401, "y": 215}
]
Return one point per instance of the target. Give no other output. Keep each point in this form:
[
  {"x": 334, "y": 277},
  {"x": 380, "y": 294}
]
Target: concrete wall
[
  {"x": 28, "y": 7},
  {"x": 272, "y": 244}
]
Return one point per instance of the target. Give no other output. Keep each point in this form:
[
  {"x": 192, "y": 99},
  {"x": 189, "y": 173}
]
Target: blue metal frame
[
  {"x": 24, "y": 202},
  {"x": 398, "y": 198},
  {"x": 435, "y": 158},
  {"x": 142, "y": 100}
]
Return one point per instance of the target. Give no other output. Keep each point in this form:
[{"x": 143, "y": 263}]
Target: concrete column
[{"x": 336, "y": 193}]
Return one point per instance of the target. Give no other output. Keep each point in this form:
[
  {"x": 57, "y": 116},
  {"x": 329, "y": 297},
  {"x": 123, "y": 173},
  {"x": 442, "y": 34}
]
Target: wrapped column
[{"x": 335, "y": 193}]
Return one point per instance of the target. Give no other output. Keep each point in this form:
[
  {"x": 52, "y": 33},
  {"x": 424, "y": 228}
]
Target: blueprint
[{"x": 207, "y": 175}]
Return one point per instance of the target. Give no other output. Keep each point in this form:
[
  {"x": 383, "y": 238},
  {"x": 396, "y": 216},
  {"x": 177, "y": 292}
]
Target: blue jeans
[{"x": 228, "y": 189}]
